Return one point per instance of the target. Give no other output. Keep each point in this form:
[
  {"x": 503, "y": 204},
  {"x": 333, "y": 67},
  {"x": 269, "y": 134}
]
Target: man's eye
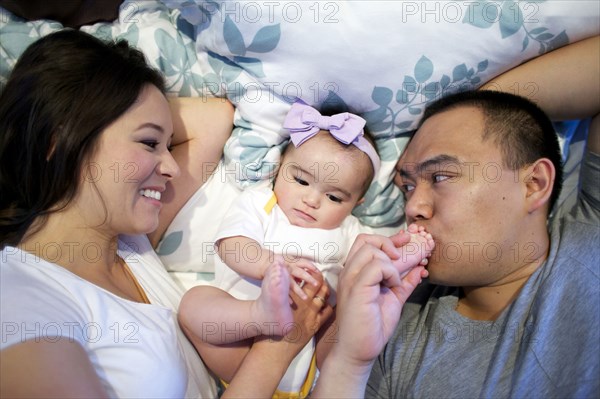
[
  {"x": 440, "y": 178},
  {"x": 301, "y": 181},
  {"x": 407, "y": 188},
  {"x": 334, "y": 198}
]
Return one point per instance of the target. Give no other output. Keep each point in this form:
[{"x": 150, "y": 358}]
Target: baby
[{"x": 272, "y": 240}]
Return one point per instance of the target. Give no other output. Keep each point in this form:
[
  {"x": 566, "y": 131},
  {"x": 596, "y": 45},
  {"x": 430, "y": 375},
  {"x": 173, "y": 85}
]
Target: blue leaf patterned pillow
[
  {"x": 166, "y": 39},
  {"x": 384, "y": 60}
]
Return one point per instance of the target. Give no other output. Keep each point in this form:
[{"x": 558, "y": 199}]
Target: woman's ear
[
  {"x": 539, "y": 182},
  {"x": 360, "y": 201}
]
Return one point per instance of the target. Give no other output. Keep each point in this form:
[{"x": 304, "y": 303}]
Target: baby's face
[{"x": 317, "y": 186}]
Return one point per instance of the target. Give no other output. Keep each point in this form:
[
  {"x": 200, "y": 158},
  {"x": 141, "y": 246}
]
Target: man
[{"x": 515, "y": 311}]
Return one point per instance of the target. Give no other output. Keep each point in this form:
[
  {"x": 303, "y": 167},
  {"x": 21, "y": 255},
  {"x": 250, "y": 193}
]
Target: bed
[{"x": 384, "y": 60}]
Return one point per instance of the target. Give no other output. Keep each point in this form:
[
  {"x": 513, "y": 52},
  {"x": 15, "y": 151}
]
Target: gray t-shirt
[{"x": 546, "y": 344}]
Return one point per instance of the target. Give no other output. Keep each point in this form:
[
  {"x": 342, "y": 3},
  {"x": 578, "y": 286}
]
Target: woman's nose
[{"x": 168, "y": 166}]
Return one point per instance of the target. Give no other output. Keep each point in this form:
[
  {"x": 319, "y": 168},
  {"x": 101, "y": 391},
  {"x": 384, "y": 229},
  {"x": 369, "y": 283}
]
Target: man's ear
[{"x": 539, "y": 182}]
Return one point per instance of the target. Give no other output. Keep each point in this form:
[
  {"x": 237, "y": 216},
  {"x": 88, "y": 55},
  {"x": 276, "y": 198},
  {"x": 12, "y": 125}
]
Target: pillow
[
  {"x": 164, "y": 37},
  {"x": 383, "y": 60}
]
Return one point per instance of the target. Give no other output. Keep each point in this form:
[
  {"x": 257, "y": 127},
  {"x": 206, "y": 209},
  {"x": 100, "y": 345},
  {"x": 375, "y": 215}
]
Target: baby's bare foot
[
  {"x": 272, "y": 308},
  {"x": 419, "y": 248}
]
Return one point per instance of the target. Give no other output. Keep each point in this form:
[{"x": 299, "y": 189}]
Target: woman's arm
[
  {"x": 565, "y": 83},
  {"x": 201, "y": 127},
  {"x": 268, "y": 359},
  {"x": 48, "y": 369}
]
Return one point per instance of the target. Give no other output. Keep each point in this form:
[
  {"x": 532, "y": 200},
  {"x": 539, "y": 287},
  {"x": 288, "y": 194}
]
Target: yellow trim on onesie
[
  {"x": 270, "y": 204},
  {"x": 304, "y": 390}
]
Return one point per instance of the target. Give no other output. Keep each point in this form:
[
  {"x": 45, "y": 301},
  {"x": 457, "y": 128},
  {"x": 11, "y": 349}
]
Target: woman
[{"x": 86, "y": 172}]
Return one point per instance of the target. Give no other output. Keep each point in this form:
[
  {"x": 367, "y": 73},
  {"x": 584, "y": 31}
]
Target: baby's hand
[{"x": 300, "y": 269}]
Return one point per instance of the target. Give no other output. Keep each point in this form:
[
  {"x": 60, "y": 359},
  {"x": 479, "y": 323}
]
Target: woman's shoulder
[{"x": 36, "y": 298}]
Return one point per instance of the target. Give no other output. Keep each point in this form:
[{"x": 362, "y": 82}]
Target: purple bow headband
[{"x": 303, "y": 122}]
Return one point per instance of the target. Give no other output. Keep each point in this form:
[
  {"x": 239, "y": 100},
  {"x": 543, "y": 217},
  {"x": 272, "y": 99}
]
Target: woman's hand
[{"x": 268, "y": 359}]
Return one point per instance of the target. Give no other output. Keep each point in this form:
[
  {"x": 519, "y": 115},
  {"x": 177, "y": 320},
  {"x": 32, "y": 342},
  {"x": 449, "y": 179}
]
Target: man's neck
[{"x": 488, "y": 302}]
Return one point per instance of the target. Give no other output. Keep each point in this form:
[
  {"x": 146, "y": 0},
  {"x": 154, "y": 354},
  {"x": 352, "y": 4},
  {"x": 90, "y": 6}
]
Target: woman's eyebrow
[{"x": 151, "y": 126}]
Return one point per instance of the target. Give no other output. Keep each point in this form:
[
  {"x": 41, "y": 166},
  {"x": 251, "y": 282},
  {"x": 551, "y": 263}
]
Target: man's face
[{"x": 457, "y": 187}]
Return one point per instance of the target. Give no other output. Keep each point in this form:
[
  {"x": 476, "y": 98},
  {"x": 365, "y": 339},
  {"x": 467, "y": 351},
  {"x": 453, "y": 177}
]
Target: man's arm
[
  {"x": 565, "y": 83},
  {"x": 371, "y": 294}
]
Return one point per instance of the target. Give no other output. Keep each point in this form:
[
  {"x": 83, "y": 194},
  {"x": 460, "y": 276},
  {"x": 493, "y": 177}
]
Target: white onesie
[{"x": 255, "y": 214}]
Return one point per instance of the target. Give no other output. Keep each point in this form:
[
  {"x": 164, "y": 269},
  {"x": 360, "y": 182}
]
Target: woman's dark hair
[
  {"x": 63, "y": 92},
  {"x": 520, "y": 129}
]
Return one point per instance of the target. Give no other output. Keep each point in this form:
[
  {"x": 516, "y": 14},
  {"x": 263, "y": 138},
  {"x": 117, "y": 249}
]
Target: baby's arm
[
  {"x": 248, "y": 258},
  {"x": 245, "y": 256}
]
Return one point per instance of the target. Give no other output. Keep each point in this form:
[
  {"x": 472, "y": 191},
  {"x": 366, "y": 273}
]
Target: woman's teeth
[{"x": 151, "y": 194}]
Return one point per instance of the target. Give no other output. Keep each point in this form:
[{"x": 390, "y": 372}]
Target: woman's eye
[
  {"x": 150, "y": 143},
  {"x": 334, "y": 198},
  {"x": 300, "y": 181}
]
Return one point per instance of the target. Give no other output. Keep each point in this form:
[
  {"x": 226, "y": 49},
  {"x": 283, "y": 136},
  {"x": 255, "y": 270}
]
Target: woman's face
[{"x": 127, "y": 174}]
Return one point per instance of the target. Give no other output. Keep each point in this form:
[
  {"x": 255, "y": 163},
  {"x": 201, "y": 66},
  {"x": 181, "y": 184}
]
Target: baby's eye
[
  {"x": 301, "y": 181},
  {"x": 334, "y": 198},
  {"x": 150, "y": 143}
]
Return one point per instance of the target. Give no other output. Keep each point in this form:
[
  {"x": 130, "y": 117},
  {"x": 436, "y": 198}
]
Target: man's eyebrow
[{"x": 410, "y": 169}]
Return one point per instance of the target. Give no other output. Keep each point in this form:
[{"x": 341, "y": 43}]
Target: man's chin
[{"x": 440, "y": 275}]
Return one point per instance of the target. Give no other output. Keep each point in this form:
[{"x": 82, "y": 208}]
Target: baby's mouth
[{"x": 305, "y": 216}]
